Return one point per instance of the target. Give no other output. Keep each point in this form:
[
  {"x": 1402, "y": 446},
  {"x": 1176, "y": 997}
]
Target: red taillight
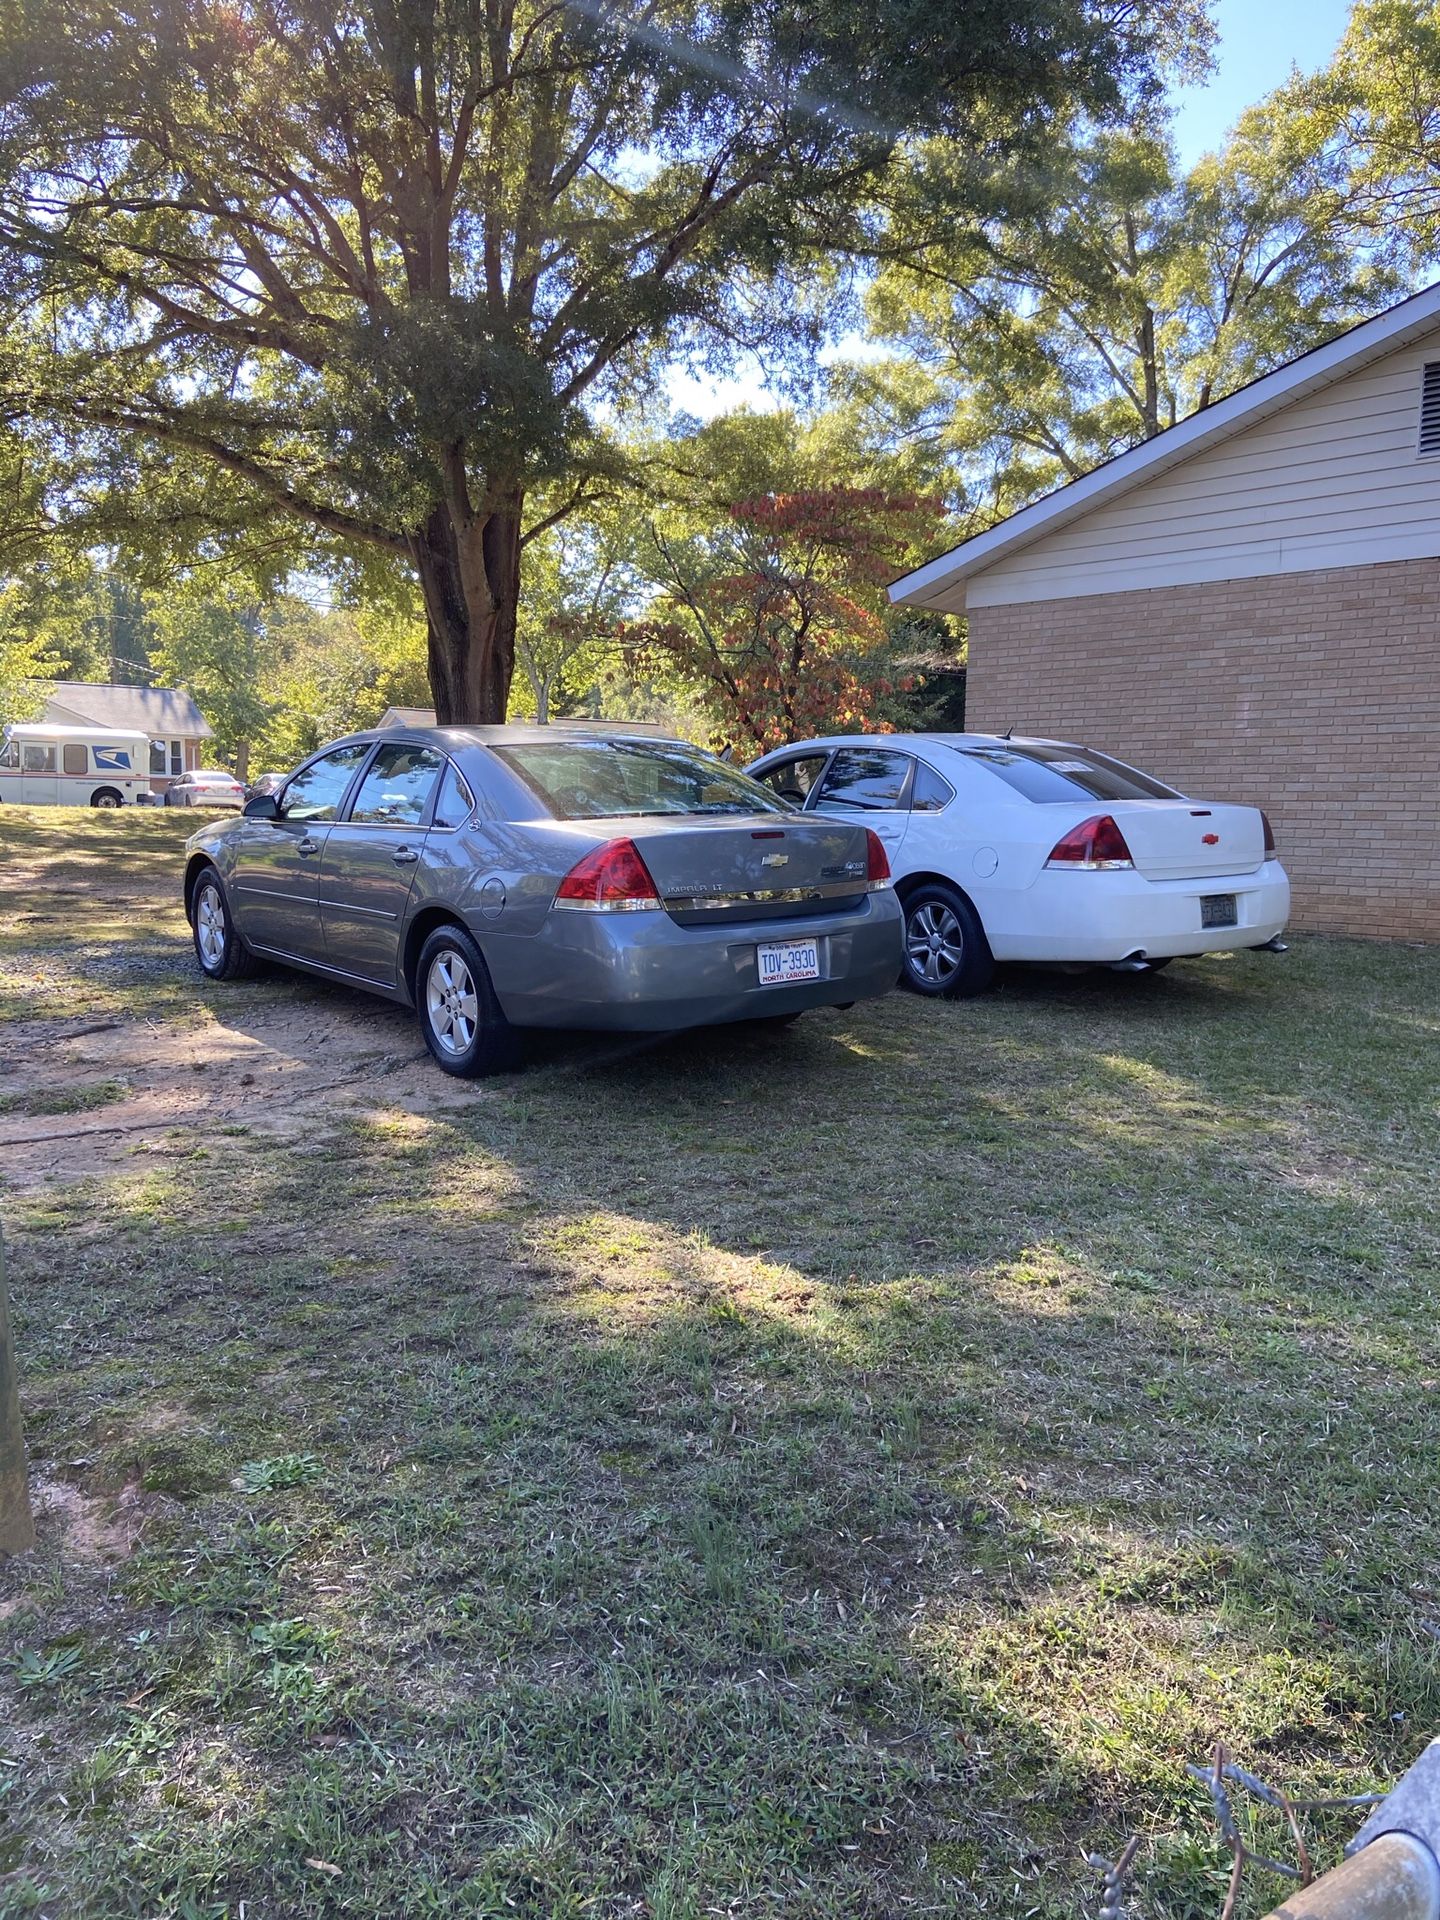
[
  {"x": 612, "y": 877},
  {"x": 877, "y": 861},
  {"x": 1269, "y": 833},
  {"x": 1096, "y": 844}
]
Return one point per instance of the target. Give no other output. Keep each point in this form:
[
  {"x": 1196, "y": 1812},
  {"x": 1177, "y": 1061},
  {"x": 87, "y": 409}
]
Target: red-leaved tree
[{"x": 778, "y": 614}]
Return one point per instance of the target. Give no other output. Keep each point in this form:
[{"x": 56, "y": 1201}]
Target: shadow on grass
[{"x": 836, "y": 1471}]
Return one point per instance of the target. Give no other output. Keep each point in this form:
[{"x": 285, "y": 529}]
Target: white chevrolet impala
[{"x": 1017, "y": 849}]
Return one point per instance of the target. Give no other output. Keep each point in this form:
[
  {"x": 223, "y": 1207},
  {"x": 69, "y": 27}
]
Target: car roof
[
  {"x": 507, "y": 736},
  {"x": 936, "y": 739}
]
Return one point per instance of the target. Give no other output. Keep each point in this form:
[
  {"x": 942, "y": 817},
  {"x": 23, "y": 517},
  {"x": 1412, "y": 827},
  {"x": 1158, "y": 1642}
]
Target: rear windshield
[
  {"x": 1049, "y": 770},
  {"x": 605, "y": 779}
]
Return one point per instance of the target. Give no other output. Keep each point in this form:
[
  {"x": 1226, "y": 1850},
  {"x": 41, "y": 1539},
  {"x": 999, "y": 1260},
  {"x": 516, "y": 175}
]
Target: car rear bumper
[
  {"x": 1104, "y": 917},
  {"x": 641, "y": 972}
]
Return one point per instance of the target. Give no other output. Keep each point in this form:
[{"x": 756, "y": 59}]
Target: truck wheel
[{"x": 106, "y": 797}]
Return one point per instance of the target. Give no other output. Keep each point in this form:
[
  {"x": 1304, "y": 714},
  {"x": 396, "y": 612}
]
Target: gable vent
[{"x": 1430, "y": 408}]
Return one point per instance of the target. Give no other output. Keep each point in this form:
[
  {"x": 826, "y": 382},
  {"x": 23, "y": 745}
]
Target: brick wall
[{"x": 1315, "y": 695}]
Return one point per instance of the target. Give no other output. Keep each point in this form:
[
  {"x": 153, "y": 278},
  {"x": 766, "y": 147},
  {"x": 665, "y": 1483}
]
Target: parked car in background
[
  {"x": 1020, "y": 849},
  {"x": 42, "y": 765},
  {"x": 504, "y": 877},
  {"x": 210, "y": 788},
  {"x": 265, "y": 783}
]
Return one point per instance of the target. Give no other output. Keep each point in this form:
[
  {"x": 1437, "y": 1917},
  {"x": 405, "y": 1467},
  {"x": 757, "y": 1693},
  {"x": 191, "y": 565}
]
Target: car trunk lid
[
  {"x": 1180, "y": 840},
  {"x": 755, "y": 867}
]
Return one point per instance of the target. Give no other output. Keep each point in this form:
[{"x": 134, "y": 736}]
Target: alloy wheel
[
  {"x": 451, "y": 1002},
  {"x": 934, "y": 943},
  {"x": 210, "y": 925}
]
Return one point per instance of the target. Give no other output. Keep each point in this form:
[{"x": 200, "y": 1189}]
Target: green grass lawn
[{"x": 847, "y": 1474}]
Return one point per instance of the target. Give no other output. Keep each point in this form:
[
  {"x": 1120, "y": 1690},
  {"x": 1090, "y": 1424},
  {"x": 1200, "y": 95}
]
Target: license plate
[
  {"x": 1217, "y": 910},
  {"x": 782, "y": 962}
]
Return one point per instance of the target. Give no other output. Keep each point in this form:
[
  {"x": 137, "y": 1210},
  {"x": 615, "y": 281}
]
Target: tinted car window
[
  {"x": 605, "y": 779},
  {"x": 930, "y": 793},
  {"x": 864, "y": 777},
  {"x": 456, "y": 802},
  {"x": 793, "y": 779},
  {"x": 397, "y": 787},
  {"x": 317, "y": 790},
  {"x": 1046, "y": 770}
]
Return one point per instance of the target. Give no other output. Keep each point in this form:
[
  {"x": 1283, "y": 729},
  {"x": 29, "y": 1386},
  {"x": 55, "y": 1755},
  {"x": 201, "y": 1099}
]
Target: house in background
[
  {"x": 1248, "y": 606},
  {"x": 175, "y": 725},
  {"x": 408, "y": 717}
]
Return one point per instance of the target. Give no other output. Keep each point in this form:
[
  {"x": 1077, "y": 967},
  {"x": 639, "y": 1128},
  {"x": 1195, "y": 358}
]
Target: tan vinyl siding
[{"x": 1335, "y": 480}]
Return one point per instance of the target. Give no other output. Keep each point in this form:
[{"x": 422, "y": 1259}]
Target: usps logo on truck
[{"x": 111, "y": 759}]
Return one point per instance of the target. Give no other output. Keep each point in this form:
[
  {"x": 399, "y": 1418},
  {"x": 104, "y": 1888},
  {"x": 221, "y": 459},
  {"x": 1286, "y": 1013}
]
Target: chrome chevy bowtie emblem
[{"x": 776, "y": 860}]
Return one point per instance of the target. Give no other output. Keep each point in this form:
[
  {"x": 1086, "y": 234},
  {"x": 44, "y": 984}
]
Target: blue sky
[{"x": 1259, "y": 41}]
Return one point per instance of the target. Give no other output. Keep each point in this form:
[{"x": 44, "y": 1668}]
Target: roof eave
[{"x": 940, "y": 580}]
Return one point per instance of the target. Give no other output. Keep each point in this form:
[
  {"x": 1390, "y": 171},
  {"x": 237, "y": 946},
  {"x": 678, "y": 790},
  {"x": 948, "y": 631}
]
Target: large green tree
[
  {"x": 1105, "y": 293},
  {"x": 214, "y": 644},
  {"x": 1375, "y": 112},
  {"x": 379, "y": 266}
]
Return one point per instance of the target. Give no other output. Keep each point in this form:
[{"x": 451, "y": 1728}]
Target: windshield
[
  {"x": 1048, "y": 770},
  {"x": 608, "y": 779}
]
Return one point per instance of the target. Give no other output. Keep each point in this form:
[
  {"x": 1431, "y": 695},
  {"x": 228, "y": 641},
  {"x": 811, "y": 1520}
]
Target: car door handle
[
  {"x": 307, "y": 845},
  {"x": 405, "y": 856}
]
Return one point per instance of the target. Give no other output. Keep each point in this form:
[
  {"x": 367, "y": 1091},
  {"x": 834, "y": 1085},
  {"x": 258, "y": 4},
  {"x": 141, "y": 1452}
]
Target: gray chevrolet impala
[{"x": 503, "y": 877}]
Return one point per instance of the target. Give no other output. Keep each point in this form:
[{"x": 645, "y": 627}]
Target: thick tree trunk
[
  {"x": 17, "y": 1525},
  {"x": 470, "y": 578}
]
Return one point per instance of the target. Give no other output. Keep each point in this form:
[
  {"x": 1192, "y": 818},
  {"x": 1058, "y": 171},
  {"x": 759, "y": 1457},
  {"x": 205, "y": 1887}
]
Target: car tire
[
  {"x": 222, "y": 954},
  {"x": 947, "y": 956},
  {"x": 106, "y": 797},
  {"x": 460, "y": 1018}
]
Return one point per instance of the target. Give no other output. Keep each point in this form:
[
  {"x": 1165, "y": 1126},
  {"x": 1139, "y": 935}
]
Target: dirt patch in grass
[
  {"x": 283, "y": 1071},
  {"x": 115, "y": 1047},
  {"x": 87, "y": 1528}
]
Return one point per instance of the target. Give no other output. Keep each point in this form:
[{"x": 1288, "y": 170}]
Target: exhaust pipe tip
[{"x": 1132, "y": 963}]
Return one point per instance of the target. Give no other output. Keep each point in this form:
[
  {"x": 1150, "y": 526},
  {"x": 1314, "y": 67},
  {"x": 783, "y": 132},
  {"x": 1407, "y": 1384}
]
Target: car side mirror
[{"x": 263, "y": 807}]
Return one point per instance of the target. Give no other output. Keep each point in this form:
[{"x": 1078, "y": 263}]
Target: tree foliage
[
  {"x": 369, "y": 268},
  {"x": 583, "y": 580},
  {"x": 1107, "y": 295},
  {"x": 26, "y": 660},
  {"x": 1374, "y": 114},
  {"x": 214, "y": 646},
  {"x": 777, "y": 614}
]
